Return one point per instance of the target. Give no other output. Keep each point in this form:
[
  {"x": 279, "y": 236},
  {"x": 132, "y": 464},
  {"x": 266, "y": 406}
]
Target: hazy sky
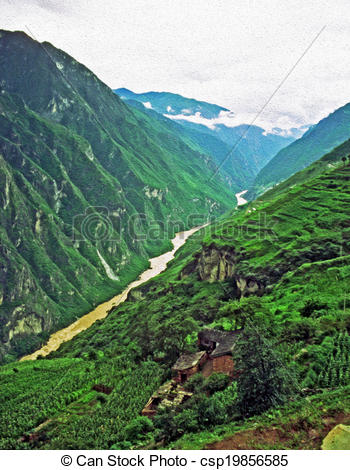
[{"x": 233, "y": 53}]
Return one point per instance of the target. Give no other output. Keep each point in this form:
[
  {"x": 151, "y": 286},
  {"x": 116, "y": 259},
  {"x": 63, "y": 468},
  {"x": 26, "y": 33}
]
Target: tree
[
  {"x": 263, "y": 381},
  {"x": 170, "y": 336},
  {"x": 195, "y": 383}
]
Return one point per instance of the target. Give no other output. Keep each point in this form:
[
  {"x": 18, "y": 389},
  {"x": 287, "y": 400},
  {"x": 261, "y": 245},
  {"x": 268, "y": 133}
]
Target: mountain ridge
[
  {"x": 322, "y": 138},
  {"x": 87, "y": 161},
  {"x": 247, "y": 143}
]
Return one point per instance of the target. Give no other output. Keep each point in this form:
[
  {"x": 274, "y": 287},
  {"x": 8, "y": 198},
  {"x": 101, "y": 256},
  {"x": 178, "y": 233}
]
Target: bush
[
  {"x": 211, "y": 411},
  {"x": 137, "y": 428},
  {"x": 195, "y": 383},
  {"x": 186, "y": 421},
  {"x": 216, "y": 382},
  {"x": 123, "y": 445}
]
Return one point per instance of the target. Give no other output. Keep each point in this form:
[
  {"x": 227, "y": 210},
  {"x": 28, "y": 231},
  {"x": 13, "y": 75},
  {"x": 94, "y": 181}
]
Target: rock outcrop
[
  {"x": 337, "y": 439},
  {"x": 216, "y": 264},
  {"x": 219, "y": 264}
]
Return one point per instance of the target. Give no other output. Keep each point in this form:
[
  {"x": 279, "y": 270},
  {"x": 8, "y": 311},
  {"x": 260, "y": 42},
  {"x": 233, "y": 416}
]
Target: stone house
[
  {"x": 188, "y": 365},
  {"x": 215, "y": 355}
]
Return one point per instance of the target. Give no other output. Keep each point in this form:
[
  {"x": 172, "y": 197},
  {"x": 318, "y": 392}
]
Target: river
[{"x": 158, "y": 265}]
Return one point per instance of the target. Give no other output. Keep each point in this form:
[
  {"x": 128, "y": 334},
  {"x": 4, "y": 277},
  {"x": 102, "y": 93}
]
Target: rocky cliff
[{"x": 220, "y": 264}]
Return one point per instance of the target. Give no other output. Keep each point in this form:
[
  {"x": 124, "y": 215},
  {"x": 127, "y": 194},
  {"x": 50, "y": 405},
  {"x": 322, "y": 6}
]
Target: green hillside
[
  {"x": 277, "y": 268},
  {"x": 325, "y": 164},
  {"x": 319, "y": 140},
  {"x": 85, "y": 181}
]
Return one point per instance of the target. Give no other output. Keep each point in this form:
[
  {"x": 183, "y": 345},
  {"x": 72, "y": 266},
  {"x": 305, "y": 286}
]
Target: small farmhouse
[
  {"x": 188, "y": 365},
  {"x": 214, "y": 355},
  {"x": 219, "y": 346}
]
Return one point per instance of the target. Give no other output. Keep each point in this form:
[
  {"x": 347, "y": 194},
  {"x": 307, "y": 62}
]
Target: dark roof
[
  {"x": 225, "y": 340},
  {"x": 186, "y": 361}
]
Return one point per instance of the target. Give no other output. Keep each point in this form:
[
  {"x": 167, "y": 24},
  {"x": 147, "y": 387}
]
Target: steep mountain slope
[
  {"x": 257, "y": 145},
  {"x": 320, "y": 139},
  {"x": 339, "y": 156},
  {"x": 86, "y": 184},
  {"x": 252, "y": 145},
  {"x": 279, "y": 264},
  {"x": 235, "y": 170}
]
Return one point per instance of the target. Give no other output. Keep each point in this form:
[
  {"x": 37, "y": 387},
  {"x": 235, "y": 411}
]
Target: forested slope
[{"x": 279, "y": 270}]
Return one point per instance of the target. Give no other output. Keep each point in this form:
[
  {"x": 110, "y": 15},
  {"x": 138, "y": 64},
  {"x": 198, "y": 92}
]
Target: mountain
[
  {"x": 256, "y": 144},
  {"x": 277, "y": 267},
  {"x": 235, "y": 170},
  {"x": 92, "y": 186},
  {"x": 320, "y": 139},
  {"x": 252, "y": 144},
  {"x": 325, "y": 164},
  {"x": 92, "y": 189},
  {"x": 172, "y": 103}
]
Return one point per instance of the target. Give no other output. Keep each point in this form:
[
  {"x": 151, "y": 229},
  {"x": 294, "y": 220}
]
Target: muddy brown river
[{"x": 158, "y": 265}]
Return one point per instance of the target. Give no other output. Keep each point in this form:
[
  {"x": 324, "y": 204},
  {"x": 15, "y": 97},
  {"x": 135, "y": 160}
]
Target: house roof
[
  {"x": 186, "y": 361},
  {"x": 225, "y": 340}
]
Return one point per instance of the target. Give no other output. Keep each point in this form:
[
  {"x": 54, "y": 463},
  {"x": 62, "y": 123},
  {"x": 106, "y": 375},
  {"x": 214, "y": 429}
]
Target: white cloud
[
  {"x": 228, "y": 118},
  {"x": 283, "y": 125},
  {"x": 234, "y": 54},
  {"x": 147, "y": 105}
]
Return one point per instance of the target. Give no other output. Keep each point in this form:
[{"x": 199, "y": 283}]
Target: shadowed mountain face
[
  {"x": 319, "y": 140},
  {"x": 77, "y": 167},
  {"x": 251, "y": 146}
]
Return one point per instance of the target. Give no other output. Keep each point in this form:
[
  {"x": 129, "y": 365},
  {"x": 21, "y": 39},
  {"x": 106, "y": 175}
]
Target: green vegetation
[
  {"x": 264, "y": 381},
  {"x": 300, "y": 424},
  {"x": 277, "y": 268},
  {"x": 300, "y": 264},
  {"x": 86, "y": 182},
  {"x": 320, "y": 139},
  {"x": 53, "y": 402}
]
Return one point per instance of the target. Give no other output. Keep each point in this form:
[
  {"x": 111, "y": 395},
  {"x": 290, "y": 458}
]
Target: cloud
[
  {"x": 61, "y": 7},
  {"x": 234, "y": 54},
  {"x": 231, "y": 119},
  {"x": 227, "y": 118},
  {"x": 147, "y": 105}
]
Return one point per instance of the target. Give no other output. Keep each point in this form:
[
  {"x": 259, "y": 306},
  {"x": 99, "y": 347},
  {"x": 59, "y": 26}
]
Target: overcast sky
[{"x": 234, "y": 53}]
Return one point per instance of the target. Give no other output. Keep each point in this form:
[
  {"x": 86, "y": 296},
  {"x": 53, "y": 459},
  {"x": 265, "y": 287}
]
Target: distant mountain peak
[{"x": 255, "y": 145}]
